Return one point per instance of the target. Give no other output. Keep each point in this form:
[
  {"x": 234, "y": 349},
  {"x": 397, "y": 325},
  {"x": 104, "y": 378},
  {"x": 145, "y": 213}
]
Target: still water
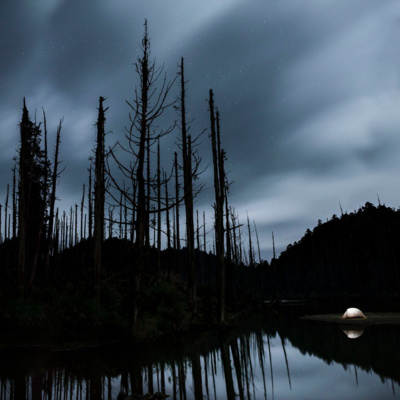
[{"x": 278, "y": 356}]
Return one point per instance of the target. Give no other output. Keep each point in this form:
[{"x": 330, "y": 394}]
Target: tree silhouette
[
  {"x": 220, "y": 191},
  {"x": 148, "y": 106},
  {"x": 99, "y": 197},
  {"x": 190, "y": 173},
  {"x": 55, "y": 175},
  {"x": 32, "y": 201}
]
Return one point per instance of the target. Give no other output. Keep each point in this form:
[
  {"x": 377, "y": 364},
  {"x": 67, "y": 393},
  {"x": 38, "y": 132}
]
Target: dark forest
[{"x": 119, "y": 265}]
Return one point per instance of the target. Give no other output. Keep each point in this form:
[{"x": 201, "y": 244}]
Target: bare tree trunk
[
  {"x": 219, "y": 188},
  {"x": 141, "y": 196},
  {"x": 110, "y": 222},
  {"x": 71, "y": 227},
  {"x": 168, "y": 222},
  {"x": 159, "y": 211},
  {"x": 90, "y": 204},
  {"x": 82, "y": 205},
  {"x": 273, "y": 246},
  {"x": 197, "y": 230},
  {"x": 57, "y": 233},
  {"x": 227, "y": 229},
  {"x": 240, "y": 246},
  {"x": 133, "y": 222},
  {"x": 148, "y": 181},
  {"x": 84, "y": 226},
  {"x": 251, "y": 251},
  {"x": 125, "y": 219},
  {"x": 53, "y": 195},
  {"x": 173, "y": 229},
  {"x": 190, "y": 224},
  {"x": 204, "y": 232},
  {"x": 6, "y": 213},
  {"x": 178, "y": 240},
  {"x": 99, "y": 199},
  {"x": 120, "y": 215},
  {"x": 14, "y": 201},
  {"x": 76, "y": 224},
  {"x": 258, "y": 242},
  {"x": 188, "y": 190},
  {"x": 63, "y": 235}
]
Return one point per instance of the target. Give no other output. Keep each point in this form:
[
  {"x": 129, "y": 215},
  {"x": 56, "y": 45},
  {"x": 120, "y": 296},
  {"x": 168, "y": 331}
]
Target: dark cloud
[{"x": 308, "y": 94}]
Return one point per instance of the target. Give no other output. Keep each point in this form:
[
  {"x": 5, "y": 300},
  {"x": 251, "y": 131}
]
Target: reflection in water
[
  {"x": 353, "y": 333},
  {"x": 284, "y": 358}
]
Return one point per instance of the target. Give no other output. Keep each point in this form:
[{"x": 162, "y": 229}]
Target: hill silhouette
[{"x": 357, "y": 253}]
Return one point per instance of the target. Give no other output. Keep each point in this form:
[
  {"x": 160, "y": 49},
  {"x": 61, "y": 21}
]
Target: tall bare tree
[
  {"x": 6, "y": 213},
  {"x": 190, "y": 165},
  {"x": 99, "y": 198},
  {"x": 220, "y": 190},
  {"x": 82, "y": 205},
  {"x": 90, "y": 205},
  {"x": 55, "y": 175},
  {"x": 150, "y": 102},
  {"x": 177, "y": 230},
  {"x": 14, "y": 201}
]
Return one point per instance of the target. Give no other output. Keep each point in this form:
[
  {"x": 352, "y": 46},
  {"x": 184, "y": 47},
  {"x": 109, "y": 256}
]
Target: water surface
[{"x": 278, "y": 356}]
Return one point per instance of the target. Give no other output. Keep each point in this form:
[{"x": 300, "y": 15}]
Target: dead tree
[
  {"x": 32, "y": 201},
  {"x": 273, "y": 247},
  {"x": 178, "y": 240},
  {"x": 76, "y": 225},
  {"x": 54, "y": 177},
  {"x": 258, "y": 242},
  {"x": 159, "y": 210},
  {"x": 204, "y": 233},
  {"x": 219, "y": 189},
  {"x": 251, "y": 250},
  {"x": 6, "y": 213},
  {"x": 147, "y": 108},
  {"x": 190, "y": 173},
  {"x": 90, "y": 205},
  {"x": 148, "y": 187},
  {"x": 197, "y": 230},
  {"x": 121, "y": 204},
  {"x": 14, "y": 202},
  {"x": 82, "y": 205},
  {"x": 99, "y": 198},
  {"x": 167, "y": 220}
]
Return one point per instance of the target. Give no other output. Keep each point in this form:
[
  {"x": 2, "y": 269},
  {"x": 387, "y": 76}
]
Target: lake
[{"x": 274, "y": 356}]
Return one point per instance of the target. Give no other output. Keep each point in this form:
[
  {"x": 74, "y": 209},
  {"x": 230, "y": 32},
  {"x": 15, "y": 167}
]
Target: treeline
[
  {"x": 357, "y": 253},
  {"x": 129, "y": 194}
]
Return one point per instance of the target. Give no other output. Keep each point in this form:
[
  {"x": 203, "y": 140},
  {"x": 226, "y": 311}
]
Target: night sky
[{"x": 308, "y": 93}]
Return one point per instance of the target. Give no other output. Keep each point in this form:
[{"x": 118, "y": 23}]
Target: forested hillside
[{"x": 356, "y": 253}]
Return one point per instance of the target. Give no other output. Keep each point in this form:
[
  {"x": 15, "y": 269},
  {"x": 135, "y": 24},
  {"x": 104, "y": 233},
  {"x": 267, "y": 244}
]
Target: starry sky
[{"x": 308, "y": 94}]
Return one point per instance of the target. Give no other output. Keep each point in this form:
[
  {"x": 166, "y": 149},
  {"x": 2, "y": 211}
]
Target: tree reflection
[{"x": 219, "y": 365}]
